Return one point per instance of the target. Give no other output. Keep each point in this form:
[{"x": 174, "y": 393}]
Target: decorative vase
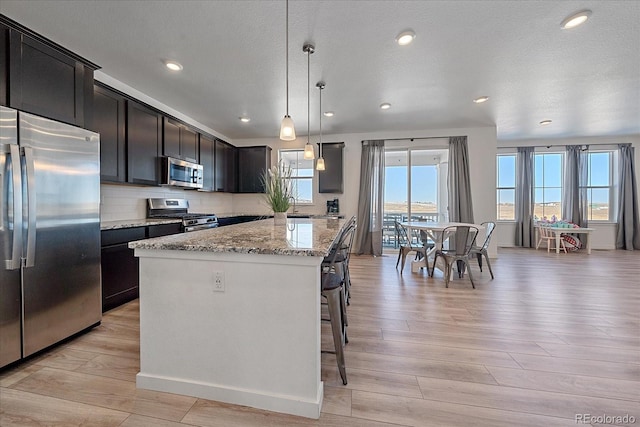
[{"x": 280, "y": 218}]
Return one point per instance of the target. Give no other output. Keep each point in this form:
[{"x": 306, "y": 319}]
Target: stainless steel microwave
[{"x": 181, "y": 173}]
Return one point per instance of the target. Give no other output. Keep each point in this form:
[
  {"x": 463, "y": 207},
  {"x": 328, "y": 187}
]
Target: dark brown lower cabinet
[
  {"x": 120, "y": 277},
  {"x": 119, "y": 266}
]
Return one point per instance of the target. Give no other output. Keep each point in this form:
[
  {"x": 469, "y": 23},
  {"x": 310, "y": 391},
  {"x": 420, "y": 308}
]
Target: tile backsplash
[{"x": 124, "y": 202}]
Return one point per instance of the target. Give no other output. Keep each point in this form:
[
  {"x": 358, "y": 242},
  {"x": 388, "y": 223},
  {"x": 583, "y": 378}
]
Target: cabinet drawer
[
  {"x": 164, "y": 229},
  {"x": 122, "y": 235}
]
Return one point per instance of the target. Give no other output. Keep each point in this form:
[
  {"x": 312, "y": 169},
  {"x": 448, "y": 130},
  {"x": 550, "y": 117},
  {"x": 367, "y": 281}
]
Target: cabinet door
[
  {"x": 252, "y": 162},
  {"x": 231, "y": 173},
  {"x": 171, "y": 138},
  {"x": 226, "y": 170},
  {"x": 330, "y": 180},
  {"x": 188, "y": 144},
  {"x": 119, "y": 266},
  {"x": 119, "y": 276},
  {"x": 207, "y": 150},
  {"x": 108, "y": 121},
  {"x": 4, "y": 64},
  {"x": 144, "y": 130},
  {"x": 220, "y": 170},
  {"x": 47, "y": 82}
]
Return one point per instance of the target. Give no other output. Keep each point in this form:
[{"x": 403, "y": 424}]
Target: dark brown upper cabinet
[
  {"x": 252, "y": 162},
  {"x": 109, "y": 120},
  {"x": 144, "y": 142},
  {"x": 4, "y": 64},
  {"x": 330, "y": 180},
  {"x": 207, "y": 160},
  {"x": 226, "y": 170},
  {"x": 44, "y": 78},
  {"x": 180, "y": 141}
]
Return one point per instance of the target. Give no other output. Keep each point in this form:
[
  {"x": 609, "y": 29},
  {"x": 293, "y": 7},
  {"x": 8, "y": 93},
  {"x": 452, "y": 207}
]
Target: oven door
[{"x": 181, "y": 173}]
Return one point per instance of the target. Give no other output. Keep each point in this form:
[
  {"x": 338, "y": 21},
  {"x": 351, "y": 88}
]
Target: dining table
[{"x": 434, "y": 231}]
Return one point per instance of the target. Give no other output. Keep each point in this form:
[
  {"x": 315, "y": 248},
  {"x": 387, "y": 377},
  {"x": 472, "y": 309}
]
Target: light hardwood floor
[{"x": 551, "y": 337}]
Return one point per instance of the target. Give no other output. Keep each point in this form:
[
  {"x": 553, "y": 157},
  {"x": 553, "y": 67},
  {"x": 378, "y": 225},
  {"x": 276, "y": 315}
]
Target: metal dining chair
[
  {"x": 480, "y": 251},
  {"x": 460, "y": 241},
  {"x": 406, "y": 246}
]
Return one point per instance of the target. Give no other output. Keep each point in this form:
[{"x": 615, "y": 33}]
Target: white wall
[
  {"x": 482, "y": 143},
  {"x": 604, "y": 236}
]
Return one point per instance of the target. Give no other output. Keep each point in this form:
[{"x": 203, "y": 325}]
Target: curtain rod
[
  {"x": 411, "y": 139},
  {"x": 558, "y": 145}
]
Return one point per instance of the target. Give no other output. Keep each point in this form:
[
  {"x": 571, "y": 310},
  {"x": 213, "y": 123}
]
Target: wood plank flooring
[{"x": 551, "y": 337}]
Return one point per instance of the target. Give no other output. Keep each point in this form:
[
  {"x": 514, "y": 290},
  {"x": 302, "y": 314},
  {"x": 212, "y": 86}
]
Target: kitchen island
[{"x": 233, "y": 314}]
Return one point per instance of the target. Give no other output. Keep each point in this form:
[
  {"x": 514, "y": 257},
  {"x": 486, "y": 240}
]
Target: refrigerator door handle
[
  {"x": 16, "y": 247},
  {"x": 16, "y": 251},
  {"x": 31, "y": 207}
]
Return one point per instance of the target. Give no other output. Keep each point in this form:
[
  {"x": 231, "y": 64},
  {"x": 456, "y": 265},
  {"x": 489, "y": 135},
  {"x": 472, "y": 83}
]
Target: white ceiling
[{"x": 587, "y": 80}]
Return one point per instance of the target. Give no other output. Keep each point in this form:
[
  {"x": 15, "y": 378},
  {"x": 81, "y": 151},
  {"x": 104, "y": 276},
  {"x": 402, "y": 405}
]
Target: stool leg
[{"x": 333, "y": 298}]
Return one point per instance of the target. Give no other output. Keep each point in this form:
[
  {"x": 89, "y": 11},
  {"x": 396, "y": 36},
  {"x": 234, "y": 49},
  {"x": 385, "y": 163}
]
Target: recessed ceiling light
[
  {"x": 385, "y": 106},
  {"x": 545, "y": 122},
  {"x": 328, "y": 113},
  {"x": 405, "y": 37},
  {"x": 244, "y": 119},
  {"x": 575, "y": 19},
  {"x": 481, "y": 99},
  {"x": 173, "y": 65}
]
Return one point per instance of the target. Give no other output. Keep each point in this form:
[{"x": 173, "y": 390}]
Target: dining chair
[
  {"x": 406, "y": 246},
  {"x": 480, "y": 251},
  {"x": 550, "y": 238},
  {"x": 460, "y": 241}
]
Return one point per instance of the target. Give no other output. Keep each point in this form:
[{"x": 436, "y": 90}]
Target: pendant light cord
[
  {"x": 287, "y": 56},
  {"x": 320, "y": 120},
  {"x": 308, "y": 96}
]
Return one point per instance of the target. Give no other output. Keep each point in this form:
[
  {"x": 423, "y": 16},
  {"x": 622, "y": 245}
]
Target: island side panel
[{"x": 257, "y": 343}]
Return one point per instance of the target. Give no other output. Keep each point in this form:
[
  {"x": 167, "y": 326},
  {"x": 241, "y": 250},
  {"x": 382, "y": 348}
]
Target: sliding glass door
[{"x": 414, "y": 180}]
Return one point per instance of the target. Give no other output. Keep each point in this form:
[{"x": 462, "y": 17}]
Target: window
[
  {"x": 599, "y": 186},
  {"x": 301, "y": 174},
  {"x": 548, "y": 176},
  {"x": 506, "y": 187}
]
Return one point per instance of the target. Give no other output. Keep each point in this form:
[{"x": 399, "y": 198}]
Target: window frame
[
  {"x": 543, "y": 187},
  {"x": 294, "y": 179},
  {"x": 610, "y": 187},
  {"x": 498, "y": 188}
]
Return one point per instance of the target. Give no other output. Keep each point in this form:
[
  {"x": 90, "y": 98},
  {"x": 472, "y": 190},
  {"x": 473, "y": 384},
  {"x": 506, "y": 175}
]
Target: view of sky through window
[{"x": 548, "y": 185}]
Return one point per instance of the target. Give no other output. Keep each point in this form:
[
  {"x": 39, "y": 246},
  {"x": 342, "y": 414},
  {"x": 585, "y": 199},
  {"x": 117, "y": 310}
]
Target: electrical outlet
[{"x": 218, "y": 281}]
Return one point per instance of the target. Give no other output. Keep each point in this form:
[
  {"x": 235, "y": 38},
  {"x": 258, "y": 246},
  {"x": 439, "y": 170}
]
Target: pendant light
[
  {"x": 287, "y": 130},
  {"x": 320, "y": 162},
  {"x": 309, "y": 154}
]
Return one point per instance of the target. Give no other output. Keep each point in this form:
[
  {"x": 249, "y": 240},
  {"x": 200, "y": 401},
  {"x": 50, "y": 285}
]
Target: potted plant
[{"x": 278, "y": 191}]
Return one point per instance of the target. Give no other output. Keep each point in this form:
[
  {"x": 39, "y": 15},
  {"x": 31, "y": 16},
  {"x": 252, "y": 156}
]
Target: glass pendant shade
[
  {"x": 287, "y": 130},
  {"x": 320, "y": 164},
  {"x": 309, "y": 154}
]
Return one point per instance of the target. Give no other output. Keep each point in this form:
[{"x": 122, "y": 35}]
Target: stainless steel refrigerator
[{"x": 49, "y": 233}]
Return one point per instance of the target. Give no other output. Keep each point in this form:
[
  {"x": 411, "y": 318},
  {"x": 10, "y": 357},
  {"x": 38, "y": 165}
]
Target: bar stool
[{"x": 333, "y": 283}]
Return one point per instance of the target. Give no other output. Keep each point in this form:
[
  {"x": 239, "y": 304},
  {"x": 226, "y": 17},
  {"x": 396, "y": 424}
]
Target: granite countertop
[
  {"x": 130, "y": 223},
  {"x": 300, "y": 237}
]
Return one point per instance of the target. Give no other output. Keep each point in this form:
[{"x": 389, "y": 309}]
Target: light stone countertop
[
  {"x": 130, "y": 223},
  {"x": 300, "y": 237}
]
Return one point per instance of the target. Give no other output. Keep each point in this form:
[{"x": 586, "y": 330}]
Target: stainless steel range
[{"x": 178, "y": 208}]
